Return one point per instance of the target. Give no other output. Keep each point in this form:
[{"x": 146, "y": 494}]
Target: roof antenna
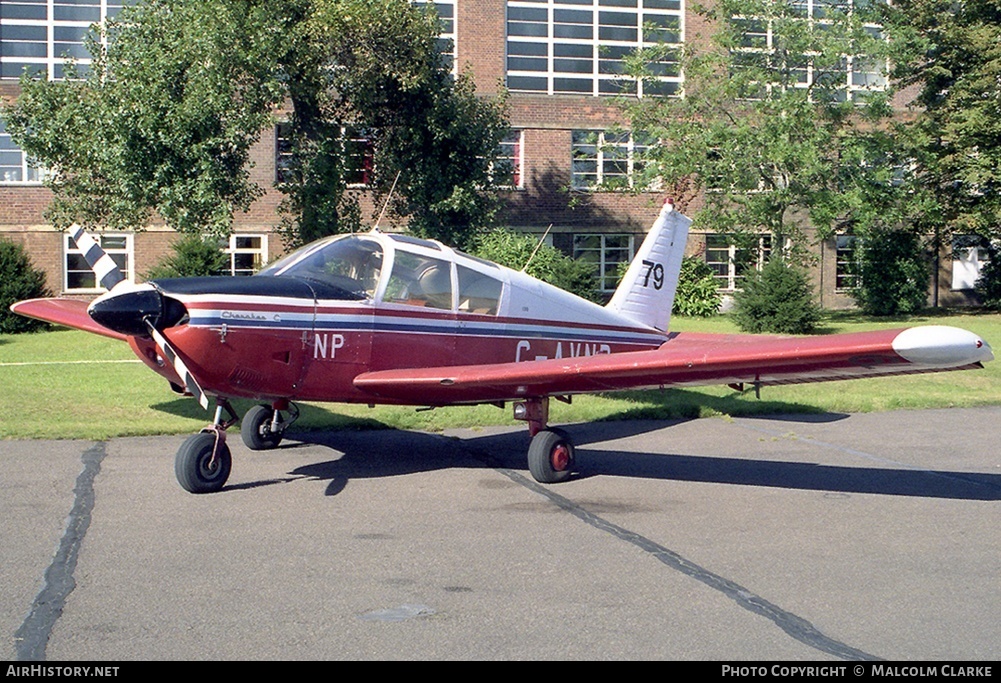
[
  {"x": 386, "y": 204},
  {"x": 537, "y": 246}
]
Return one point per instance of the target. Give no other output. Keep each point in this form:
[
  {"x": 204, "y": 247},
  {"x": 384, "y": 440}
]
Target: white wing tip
[{"x": 942, "y": 346}]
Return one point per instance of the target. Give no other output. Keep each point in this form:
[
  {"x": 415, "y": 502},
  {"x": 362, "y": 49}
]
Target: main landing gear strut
[
  {"x": 551, "y": 453},
  {"x": 203, "y": 461}
]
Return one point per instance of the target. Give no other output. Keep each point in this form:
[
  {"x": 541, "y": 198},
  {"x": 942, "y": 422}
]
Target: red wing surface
[
  {"x": 68, "y": 312},
  {"x": 691, "y": 359}
]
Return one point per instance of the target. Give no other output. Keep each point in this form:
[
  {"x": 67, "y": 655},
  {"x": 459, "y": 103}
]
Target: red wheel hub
[{"x": 560, "y": 457}]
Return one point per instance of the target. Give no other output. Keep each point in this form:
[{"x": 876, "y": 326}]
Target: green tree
[
  {"x": 179, "y": 91},
  {"x": 698, "y": 291},
  {"x": 892, "y": 273},
  {"x": 951, "y": 51},
  {"x": 194, "y": 256},
  {"x": 20, "y": 281},
  {"x": 544, "y": 262},
  {"x": 778, "y": 298},
  {"x": 767, "y": 127}
]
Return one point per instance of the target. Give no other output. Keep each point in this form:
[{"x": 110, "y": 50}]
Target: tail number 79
[{"x": 654, "y": 271}]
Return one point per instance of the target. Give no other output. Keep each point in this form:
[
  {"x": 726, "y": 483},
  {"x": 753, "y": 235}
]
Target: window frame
[
  {"x": 351, "y": 138},
  {"x": 29, "y": 174},
  {"x": 608, "y": 153},
  {"x": 575, "y": 47},
  {"x": 735, "y": 267},
  {"x": 607, "y": 282},
  {"x": 233, "y": 251},
  {"x": 55, "y": 18},
  {"x": 856, "y": 84},
  {"x": 846, "y": 263},
  {"x": 70, "y": 248},
  {"x": 969, "y": 257}
]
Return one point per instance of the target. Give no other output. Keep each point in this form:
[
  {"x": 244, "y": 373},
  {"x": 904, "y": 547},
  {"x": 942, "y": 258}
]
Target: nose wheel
[{"x": 203, "y": 462}]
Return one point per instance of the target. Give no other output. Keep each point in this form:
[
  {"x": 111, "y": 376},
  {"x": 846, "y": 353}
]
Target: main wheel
[
  {"x": 551, "y": 456},
  {"x": 194, "y": 467},
  {"x": 256, "y": 429}
]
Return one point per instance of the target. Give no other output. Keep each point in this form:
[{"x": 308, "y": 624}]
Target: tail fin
[{"x": 646, "y": 293}]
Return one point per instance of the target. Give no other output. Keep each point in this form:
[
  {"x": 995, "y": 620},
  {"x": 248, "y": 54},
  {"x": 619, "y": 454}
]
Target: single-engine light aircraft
[{"x": 382, "y": 318}]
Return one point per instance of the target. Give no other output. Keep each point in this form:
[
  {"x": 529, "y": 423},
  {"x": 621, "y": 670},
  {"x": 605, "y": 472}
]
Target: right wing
[{"x": 691, "y": 359}]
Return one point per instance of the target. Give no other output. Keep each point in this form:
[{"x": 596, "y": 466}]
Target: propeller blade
[
  {"x": 179, "y": 367},
  {"x": 108, "y": 274}
]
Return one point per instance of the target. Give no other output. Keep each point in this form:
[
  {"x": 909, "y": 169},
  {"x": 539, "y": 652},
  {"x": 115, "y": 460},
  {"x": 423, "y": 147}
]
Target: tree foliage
[
  {"x": 193, "y": 256},
  {"x": 179, "y": 90},
  {"x": 951, "y": 52},
  {"x": 20, "y": 281},
  {"x": 767, "y": 130},
  {"x": 893, "y": 273},
  {"x": 698, "y": 291},
  {"x": 544, "y": 262},
  {"x": 778, "y": 298}
]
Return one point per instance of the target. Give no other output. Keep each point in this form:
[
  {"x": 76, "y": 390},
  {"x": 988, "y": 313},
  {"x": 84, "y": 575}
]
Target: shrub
[
  {"x": 893, "y": 274},
  {"x": 698, "y": 292},
  {"x": 193, "y": 256},
  {"x": 20, "y": 280},
  {"x": 549, "y": 263},
  {"x": 778, "y": 298}
]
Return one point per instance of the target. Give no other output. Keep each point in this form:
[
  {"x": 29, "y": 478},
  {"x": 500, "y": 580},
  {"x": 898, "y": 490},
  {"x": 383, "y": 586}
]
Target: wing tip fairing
[{"x": 941, "y": 346}]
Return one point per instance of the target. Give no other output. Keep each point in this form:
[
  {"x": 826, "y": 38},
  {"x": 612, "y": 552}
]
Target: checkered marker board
[
  {"x": 179, "y": 367},
  {"x": 108, "y": 274}
]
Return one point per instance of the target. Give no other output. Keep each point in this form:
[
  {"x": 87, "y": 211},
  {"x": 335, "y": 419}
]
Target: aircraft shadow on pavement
[{"x": 386, "y": 453}]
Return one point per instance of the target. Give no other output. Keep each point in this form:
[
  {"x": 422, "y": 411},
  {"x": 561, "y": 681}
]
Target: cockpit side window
[
  {"x": 352, "y": 264},
  {"x": 478, "y": 293},
  {"x": 419, "y": 281}
]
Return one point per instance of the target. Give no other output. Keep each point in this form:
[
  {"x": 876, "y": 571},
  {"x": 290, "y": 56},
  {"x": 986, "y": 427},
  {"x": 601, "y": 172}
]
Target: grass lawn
[{"x": 69, "y": 384}]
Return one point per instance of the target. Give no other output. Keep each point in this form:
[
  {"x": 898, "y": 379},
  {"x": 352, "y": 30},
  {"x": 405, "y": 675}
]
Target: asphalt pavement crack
[{"x": 32, "y": 637}]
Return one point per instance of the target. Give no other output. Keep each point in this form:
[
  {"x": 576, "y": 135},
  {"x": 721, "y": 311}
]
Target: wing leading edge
[{"x": 692, "y": 359}]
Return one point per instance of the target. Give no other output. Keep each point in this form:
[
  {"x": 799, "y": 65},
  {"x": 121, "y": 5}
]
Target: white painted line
[{"x": 68, "y": 362}]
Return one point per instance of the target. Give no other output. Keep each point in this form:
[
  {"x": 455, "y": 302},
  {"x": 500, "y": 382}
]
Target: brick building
[{"x": 560, "y": 61}]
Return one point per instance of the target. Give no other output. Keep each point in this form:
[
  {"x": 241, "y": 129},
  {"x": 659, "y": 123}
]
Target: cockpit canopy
[{"x": 421, "y": 273}]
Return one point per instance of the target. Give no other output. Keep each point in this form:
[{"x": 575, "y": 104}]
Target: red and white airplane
[{"x": 382, "y": 318}]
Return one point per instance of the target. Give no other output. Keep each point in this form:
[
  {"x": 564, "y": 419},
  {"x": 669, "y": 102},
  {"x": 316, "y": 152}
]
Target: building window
[
  {"x": 606, "y": 160},
  {"x": 446, "y": 40},
  {"x": 39, "y": 35},
  {"x": 853, "y": 80},
  {"x": 247, "y": 253},
  {"x": 506, "y": 169},
  {"x": 731, "y": 257},
  {"x": 77, "y": 273},
  {"x": 14, "y": 166},
  {"x": 608, "y": 254},
  {"x": 846, "y": 263},
  {"x": 578, "y": 47},
  {"x": 969, "y": 256},
  {"x": 357, "y": 155}
]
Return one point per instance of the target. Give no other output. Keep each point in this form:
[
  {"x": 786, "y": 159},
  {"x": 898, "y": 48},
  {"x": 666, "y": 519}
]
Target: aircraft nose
[{"x": 127, "y": 307}]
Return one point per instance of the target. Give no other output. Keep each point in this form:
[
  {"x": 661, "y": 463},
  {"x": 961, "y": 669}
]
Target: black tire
[
  {"x": 192, "y": 464},
  {"x": 256, "y": 429},
  {"x": 551, "y": 456}
]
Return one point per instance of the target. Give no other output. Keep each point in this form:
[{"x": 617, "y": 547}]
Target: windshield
[{"x": 350, "y": 263}]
